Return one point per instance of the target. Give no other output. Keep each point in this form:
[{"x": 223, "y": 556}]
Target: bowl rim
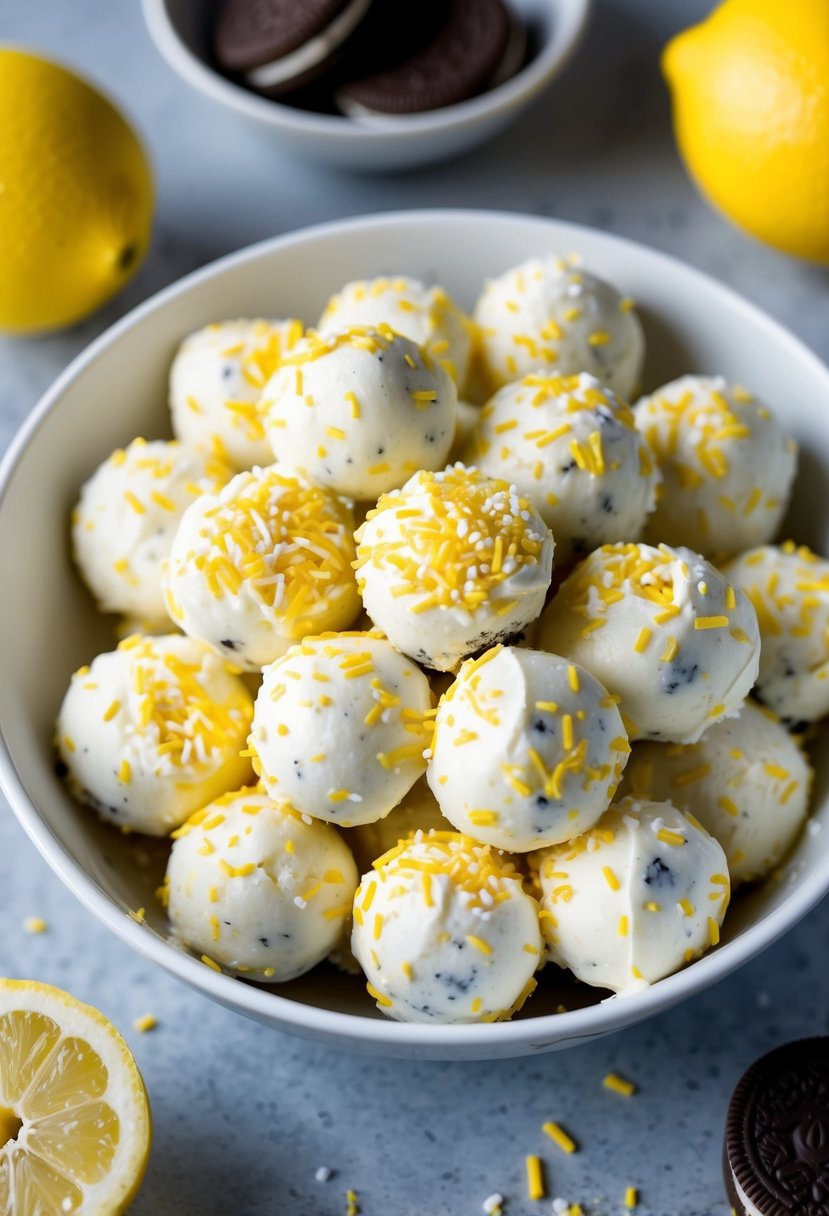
[
  {"x": 503, "y": 1038},
  {"x": 568, "y": 28}
]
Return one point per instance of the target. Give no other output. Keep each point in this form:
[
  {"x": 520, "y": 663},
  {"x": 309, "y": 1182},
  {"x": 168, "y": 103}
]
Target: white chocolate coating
[
  {"x": 570, "y": 446},
  {"x": 528, "y": 750},
  {"x": 216, "y": 382},
  {"x": 550, "y": 314},
  {"x": 451, "y": 564},
  {"x": 257, "y": 889},
  {"x": 340, "y": 727},
  {"x": 425, "y": 314},
  {"x": 636, "y": 897},
  {"x": 360, "y": 410},
  {"x": 789, "y": 588},
  {"x": 417, "y": 810},
  {"x": 152, "y": 731},
  {"x": 661, "y": 628},
  {"x": 126, "y": 518},
  {"x": 726, "y": 463},
  {"x": 445, "y": 932},
  {"x": 259, "y": 565},
  {"x": 746, "y": 780}
]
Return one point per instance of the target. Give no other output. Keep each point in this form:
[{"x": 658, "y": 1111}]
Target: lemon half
[
  {"x": 76, "y": 196},
  {"x": 74, "y": 1116}
]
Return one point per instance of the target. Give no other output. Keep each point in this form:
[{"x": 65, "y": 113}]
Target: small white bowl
[
  {"x": 181, "y": 31},
  {"x": 117, "y": 389}
]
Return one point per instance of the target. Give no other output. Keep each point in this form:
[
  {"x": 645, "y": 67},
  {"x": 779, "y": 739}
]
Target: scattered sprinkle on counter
[
  {"x": 631, "y": 1198},
  {"x": 352, "y": 1204},
  {"x": 493, "y": 1205},
  {"x": 322, "y": 1174},
  {"x": 145, "y": 1023},
  {"x": 35, "y": 924},
  {"x": 560, "y": 1137},
  {"x": 619, "y": 1085},
  {"x": 535, "y": 1178}
]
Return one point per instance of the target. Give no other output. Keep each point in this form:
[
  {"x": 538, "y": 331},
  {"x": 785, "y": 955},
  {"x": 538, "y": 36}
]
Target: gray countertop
[{"x": 244, "y": 1116}]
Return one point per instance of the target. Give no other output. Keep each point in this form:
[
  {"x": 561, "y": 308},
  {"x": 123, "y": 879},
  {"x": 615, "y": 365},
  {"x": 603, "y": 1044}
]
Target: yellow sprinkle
[
  {"x": 610, "y": 878},
  {"x": 619, "y": 1085},
  {"x": 145, "y": 1022},
  {"x": 711, "y": 622},
  {"x": 535, "y": 1178},
  {"x": 650, "y": 906},
  {"x": 631, "y": 1198},
  {"x": 567, "y": 731},
  {"x": 559, "y": 1136},
  {"x": 379, "y": 997},
  {"x": 335, "y": 432},
  {"x": 208, "y": 962},
  {"x": 713, "y": 931},
  {"x": 125, "y": 772},
  {"x": 687, "y": 907},
  {"x": 776, "y": 771},
  {"x": 111, "y": 711},
  {"x": 136, "y": 503},
  {"x": 408, "y": 971},
  {"x": 623, "y": 926},
  {"x": 35, "y": 924},
  {"x": 669, "y": 837},
  {"x": 643, "y": 639},
  {"x": 477, "y": 1005},
  {"x": 573, "y": 678},
  {"x": 479, "y": 943},
  {"x": 670, "y": 651},
  {"x": 599, "y": 338},
  {"x": 549, "y": 707}
]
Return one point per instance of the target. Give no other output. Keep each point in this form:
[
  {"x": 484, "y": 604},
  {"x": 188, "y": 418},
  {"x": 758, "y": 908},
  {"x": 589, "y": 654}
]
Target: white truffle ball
[
  {"x": 451, "y": 564},
  {"x": 445, "y": 932},
  {"x": 427, "y": 315},
  {"x": 636, "y": 897},
  {"x": 126, "y": 518},
  {"x": 360, "y": 410},
  {"x": 746, "y": 780},
  {"x": 570, "y": 446},
  {"x": 257, "y": 889},
  {"x": 552, "y": 314},
  {"x": 663, "y": 630},
  {"x": 528, "y": 749},
  {"x": 340, "y": 727},
  {"x": 789, "y": 588},
  {"x": 261, "y": 564},
  {"x": 727, "y": 465},
  {"x": 216, "y": 382},
  {"x": 152, "y": 731}
]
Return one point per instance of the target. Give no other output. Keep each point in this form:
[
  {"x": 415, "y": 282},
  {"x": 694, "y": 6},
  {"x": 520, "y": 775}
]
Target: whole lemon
[
  {"x": 750, "y": 89},
  {"x": 76, "y": 196}
]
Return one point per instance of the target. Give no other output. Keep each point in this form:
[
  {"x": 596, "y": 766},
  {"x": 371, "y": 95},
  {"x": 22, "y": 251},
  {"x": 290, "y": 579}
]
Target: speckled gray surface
[{"x": 243, "y": 1115}]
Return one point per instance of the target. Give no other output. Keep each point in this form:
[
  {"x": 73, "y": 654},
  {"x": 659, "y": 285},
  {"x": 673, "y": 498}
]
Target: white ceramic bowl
[
  {"x": 117, "y": 389},
  {"x": 181, "y": 31}
]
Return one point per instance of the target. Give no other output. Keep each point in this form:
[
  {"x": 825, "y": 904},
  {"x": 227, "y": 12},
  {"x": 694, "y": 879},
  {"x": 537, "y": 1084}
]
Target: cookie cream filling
[{"x": 312, "y": 52}]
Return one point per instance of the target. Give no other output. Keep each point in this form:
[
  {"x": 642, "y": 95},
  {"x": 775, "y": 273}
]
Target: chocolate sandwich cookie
[
  {"x": 279, "y": 46},
  {"x": 776, "y": 1158},
  {"x": 475, "y": 47}
]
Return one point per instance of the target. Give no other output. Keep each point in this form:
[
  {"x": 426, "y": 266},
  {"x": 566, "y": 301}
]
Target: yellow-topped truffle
[
  {"x": 445, "y": 932},
  {"x": 263, "y": 563},
  {"x": 451, "y": 563},
  {"x": 153, "y": 730}
]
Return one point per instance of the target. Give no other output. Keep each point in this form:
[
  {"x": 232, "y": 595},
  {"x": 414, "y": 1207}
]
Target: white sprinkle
[
  {"x": 323, "y": 1174},
  {"x": 492, "y": 1205},
  {"x": 300, "y": 902},
  {"x": 560, "y": 1207}
]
